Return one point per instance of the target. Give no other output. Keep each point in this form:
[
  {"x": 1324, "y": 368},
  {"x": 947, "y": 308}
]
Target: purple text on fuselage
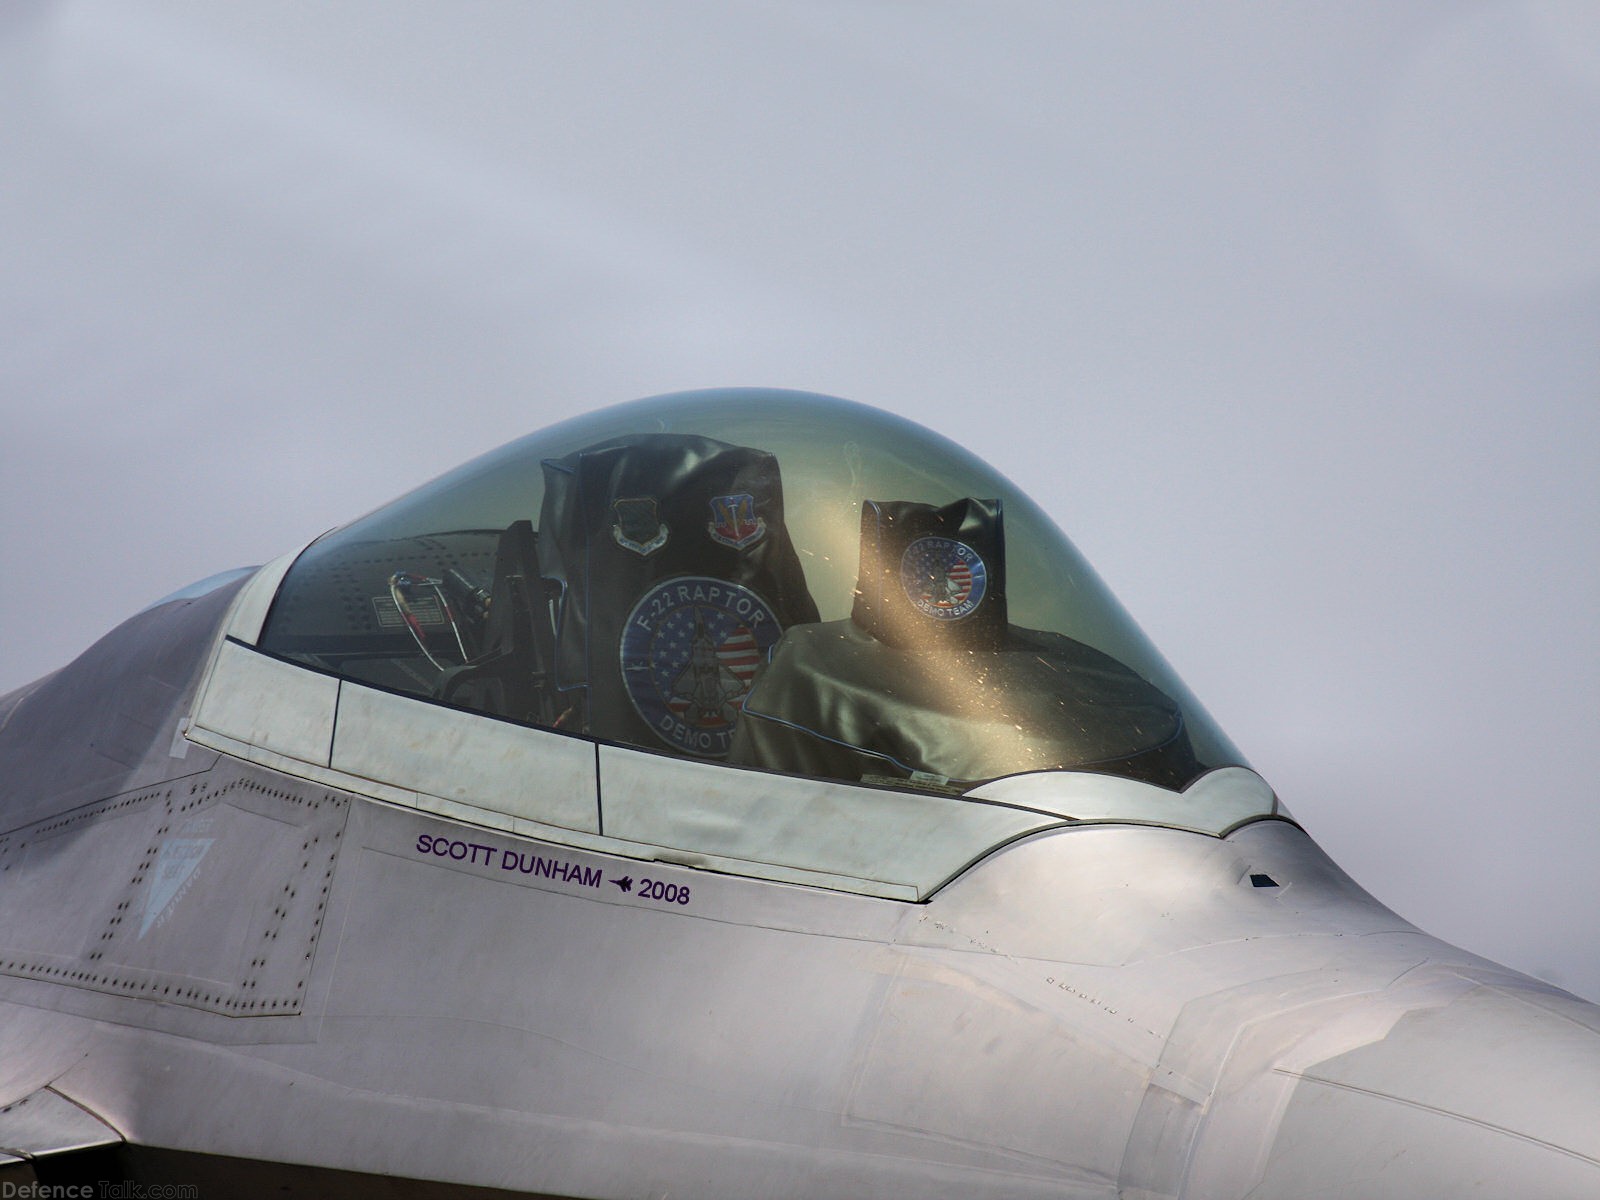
[{"x": 524, "y": 862}]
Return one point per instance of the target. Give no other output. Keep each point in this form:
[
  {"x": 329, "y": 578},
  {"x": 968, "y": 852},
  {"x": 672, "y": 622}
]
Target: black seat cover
[
  {"x": 676, "y": 575},
  {"x": 929, "y": 683},
  {"x": 932, "y": 576}
]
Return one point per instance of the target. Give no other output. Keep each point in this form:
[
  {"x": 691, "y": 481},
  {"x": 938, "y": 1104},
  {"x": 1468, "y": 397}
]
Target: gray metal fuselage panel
[{"x": 213, "y": 957}]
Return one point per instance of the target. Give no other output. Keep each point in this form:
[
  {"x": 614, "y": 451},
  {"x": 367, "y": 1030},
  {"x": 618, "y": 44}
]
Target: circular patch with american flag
[
  {"x": 690, "y": 650},
  {"x": 943, "y": 578}
]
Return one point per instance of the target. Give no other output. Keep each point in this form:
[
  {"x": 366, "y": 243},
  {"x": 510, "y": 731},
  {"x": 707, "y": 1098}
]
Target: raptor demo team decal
[
  {"x": 943, "y": 578},
  {"x": 689, "y": 650}
]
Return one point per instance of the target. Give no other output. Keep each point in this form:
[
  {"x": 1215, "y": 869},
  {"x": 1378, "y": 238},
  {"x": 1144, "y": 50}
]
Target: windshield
[{"x": 770, "y": 579}]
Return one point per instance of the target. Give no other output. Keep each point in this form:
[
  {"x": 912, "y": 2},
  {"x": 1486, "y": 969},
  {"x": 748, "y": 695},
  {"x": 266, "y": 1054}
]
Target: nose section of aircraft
[{"x": 1493, "y": 1094}]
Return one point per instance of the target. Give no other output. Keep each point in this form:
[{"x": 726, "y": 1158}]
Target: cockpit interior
[{"x": 770, "y": 580}]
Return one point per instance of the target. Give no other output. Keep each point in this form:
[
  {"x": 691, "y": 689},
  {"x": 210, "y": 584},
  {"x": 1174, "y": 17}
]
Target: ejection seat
[
  {"x": 509, "y": 677},
  {"x": 929, "y": 684},
  {"x": 673, "y": 574}
]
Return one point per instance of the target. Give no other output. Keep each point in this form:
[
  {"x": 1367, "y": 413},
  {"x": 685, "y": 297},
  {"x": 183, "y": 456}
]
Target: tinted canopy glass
[{"x": 769, "y": 579}]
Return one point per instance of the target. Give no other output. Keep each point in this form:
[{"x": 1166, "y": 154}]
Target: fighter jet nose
[{"x": 1495, "y": 1094}]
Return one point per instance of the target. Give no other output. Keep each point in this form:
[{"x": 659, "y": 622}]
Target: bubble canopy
[{"x": 769, "y": 579}]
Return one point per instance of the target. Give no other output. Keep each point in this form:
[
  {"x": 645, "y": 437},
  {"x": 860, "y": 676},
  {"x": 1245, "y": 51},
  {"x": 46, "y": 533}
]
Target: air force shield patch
[
  {"x": 734, "y": 522},
  {"x": 638, "y": 526}
]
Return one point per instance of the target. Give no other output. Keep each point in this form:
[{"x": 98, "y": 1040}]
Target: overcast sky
[{"x": 1289, "y": 314}]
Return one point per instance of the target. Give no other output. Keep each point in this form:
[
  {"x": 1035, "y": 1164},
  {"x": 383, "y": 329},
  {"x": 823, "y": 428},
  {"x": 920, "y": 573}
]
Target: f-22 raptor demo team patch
[
  {"x": 943, "y": 578},
  {"x": 690, "y": 649}
]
